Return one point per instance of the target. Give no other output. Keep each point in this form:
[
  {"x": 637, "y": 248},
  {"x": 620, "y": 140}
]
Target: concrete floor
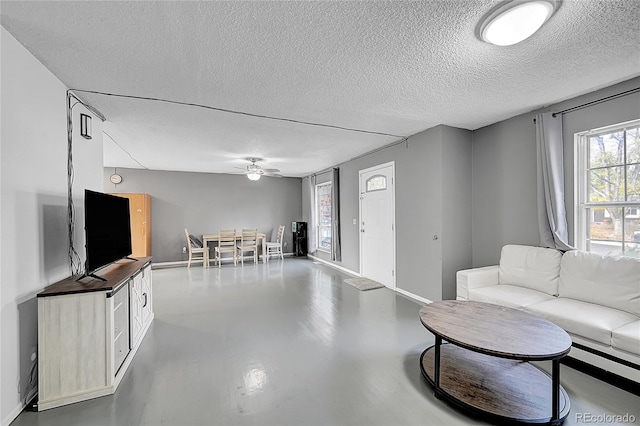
[{"x": 287, "y": 343}]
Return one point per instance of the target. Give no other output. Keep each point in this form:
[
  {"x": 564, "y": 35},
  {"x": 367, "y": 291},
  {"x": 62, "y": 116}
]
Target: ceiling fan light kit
[
  {"x": 255, "y": 172},
  {"x": 515, "y": 20}
]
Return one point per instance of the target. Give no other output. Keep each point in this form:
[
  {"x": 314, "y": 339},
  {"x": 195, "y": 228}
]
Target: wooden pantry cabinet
[
  {"x": 140, "y": 211},
  {"x": 90, "y": 330}
]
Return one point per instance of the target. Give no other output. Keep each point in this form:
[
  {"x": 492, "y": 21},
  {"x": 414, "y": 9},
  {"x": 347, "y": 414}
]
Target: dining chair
[
  {"x": 196, "y": 250},
  {"x": 226, "y": 244},
  {"x": 275, "y": 247},
  {"x": 248, "y": 242}
]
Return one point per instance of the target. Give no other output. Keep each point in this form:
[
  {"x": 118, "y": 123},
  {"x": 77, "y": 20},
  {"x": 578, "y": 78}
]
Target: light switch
[{"x": 355, "y": 221}]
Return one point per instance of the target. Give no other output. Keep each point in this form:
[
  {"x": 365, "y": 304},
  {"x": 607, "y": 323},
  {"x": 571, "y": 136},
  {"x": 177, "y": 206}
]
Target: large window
[
  {"x": 323, "y": 213},
  {"x": 608, "y": 190}
]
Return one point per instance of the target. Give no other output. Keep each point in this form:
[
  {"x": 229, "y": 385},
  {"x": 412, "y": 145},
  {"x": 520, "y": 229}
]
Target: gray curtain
[
  {"x": 552, "y": 216},
  {"x": 312, "y": 244},
  {"x": 336, "y": 251}
]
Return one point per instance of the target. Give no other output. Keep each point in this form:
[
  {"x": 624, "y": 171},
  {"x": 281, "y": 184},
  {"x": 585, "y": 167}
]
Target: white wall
[{"x": 33, "y": 206}]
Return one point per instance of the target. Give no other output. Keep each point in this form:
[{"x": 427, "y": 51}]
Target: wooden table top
[
  {"x": 495, "y": 330},
  {"x": 115, "y": 274},
  {"x": 215, "y": 237}
]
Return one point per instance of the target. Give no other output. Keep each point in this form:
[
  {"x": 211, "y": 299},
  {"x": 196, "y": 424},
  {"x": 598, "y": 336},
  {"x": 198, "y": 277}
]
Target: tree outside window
[
  {"x": 323, "y": 213},
  {"x": 609, "y": 198}
]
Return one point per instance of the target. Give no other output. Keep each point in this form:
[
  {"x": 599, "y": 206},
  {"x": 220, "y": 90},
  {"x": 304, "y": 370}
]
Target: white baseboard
[
  {"x": 181, "y": 263},
  {"x": 333, "y": 265},
  {"x": 317, "y": 259},
  {"x": 13, "y": 414},
  {"x": 348, "y": 271},
  {"x": 273, "y": 256},
  {"x": 413, "y": 296},
  {"x": 159, "y": 265}
]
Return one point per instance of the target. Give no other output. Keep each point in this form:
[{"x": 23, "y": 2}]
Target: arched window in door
[{"x": 376, "y": 183}]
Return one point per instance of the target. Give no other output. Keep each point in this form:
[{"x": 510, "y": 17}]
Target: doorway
[{"x": 377, "y": 224}]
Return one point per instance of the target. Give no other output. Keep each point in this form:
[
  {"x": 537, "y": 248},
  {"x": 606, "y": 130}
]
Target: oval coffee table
[{"x": 483, "y": 369}]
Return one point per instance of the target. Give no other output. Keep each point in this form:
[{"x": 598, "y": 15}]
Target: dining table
[{"x": 208, "y": 238}]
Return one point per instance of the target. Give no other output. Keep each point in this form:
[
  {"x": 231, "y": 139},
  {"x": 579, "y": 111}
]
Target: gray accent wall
[
  {"x": 456, "y": 206},
  {"x": 433, "y": 181},
  {"x": 504, "y": 169},
  {"x": 207, "y": 202},
  {"x": 475, "y": 190},
  {"x": 615, "y": 111},
  {"x": 503, "y": 188}
]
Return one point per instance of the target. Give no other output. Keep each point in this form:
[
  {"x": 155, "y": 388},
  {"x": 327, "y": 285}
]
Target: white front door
[{"x": 377, "y": 224}]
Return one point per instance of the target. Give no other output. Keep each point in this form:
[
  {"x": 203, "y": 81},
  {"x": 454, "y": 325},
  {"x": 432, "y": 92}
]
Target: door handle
[{"x": 362, "y": 230}]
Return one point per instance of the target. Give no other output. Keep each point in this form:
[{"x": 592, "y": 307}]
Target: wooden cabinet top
[
  {"x": 115, "y": 274},
  {"x": 131, "y": 194}
]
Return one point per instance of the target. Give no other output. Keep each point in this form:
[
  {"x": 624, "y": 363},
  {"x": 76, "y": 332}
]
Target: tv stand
[
  {"x": 92, "y": 275},
  {"x": 89, "y": 332},
  {"x": 98, "y": 277}
]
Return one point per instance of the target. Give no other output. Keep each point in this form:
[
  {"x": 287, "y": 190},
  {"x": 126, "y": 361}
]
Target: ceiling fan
[{"x": 254, "y": 171}]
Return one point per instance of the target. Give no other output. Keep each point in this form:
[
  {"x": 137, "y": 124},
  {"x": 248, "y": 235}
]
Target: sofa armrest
[{"x": 469, "y": 279}]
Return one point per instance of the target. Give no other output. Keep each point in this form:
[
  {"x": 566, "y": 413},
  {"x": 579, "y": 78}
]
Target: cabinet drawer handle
[{"x": 145, "y": 300}]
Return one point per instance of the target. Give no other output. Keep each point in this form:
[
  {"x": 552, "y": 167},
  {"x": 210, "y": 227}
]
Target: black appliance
[{"x": 299, "y": 230}]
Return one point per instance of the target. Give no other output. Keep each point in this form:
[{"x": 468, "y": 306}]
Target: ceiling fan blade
[{"x": 256, "y": 168}]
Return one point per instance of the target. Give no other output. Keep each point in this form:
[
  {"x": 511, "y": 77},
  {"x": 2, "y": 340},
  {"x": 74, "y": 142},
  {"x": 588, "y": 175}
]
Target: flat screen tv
[{"x": 107, "y": 229}]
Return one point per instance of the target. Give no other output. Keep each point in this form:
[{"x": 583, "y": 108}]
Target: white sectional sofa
[{"x": 595, "y": 299}]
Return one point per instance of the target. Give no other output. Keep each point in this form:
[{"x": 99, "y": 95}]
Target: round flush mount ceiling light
[{"x": 514, "y": 21}]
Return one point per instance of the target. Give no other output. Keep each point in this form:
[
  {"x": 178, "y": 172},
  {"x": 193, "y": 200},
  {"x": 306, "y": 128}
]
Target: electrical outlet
[{"x": 184, "y": 249}]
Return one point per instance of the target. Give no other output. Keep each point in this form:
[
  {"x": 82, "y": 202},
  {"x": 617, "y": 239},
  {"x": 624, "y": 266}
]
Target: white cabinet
[
  {"x": 140, "y": 291},
  {"x": 147, "y": 305},
  {"x": 121, "y": 309},
  {"x": 135, "y": 324},
  {"x": 89, "y": 331}
]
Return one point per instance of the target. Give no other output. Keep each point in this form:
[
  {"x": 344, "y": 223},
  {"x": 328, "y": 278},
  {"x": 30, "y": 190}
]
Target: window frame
[
  {"x": 319, "y": 227},
  {"x": 581, "y": 186},
  {"x": 371, "y": 180}
]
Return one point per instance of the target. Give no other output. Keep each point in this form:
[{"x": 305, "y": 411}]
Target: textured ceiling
[{"x": 385, "y": 67}]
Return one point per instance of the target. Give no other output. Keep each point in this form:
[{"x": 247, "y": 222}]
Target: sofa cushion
[
  {"x": 584, "y": 319},
  {"x": 602, "y": 280},
  {"x": 508, "y": 295},
  {"x": 627, "y": 338},
  {"x": 536, "y": 268}
]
